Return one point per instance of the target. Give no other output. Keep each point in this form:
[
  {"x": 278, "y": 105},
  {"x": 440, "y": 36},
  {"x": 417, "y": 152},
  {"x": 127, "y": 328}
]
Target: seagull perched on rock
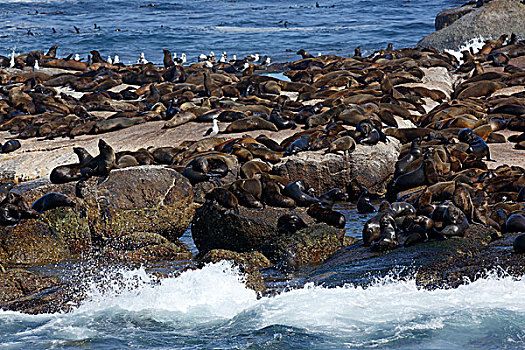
[
  {"x": 77, "y": 57},
  {"x": 202, "y": 57},
  {"x": 214, "y": 130},
  {"x": 142, "y": 59},
  {"x": 180, "y": 60},
  {"x": 110, "y": 61},
  {"x": 223, "y": 58},
  {"x": 252, "y": 58},
  {"x": 12, "y": 61},
  {"x": 116, "y": 59},
  {"x": 36, "y": 66}
]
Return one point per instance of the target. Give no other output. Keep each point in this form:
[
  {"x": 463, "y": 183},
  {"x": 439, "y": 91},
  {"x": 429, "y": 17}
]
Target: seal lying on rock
[
  {"x": 326, "y": 215},
  {"x": 52, "y": 201},
  {"x": 14, "y": 208}
]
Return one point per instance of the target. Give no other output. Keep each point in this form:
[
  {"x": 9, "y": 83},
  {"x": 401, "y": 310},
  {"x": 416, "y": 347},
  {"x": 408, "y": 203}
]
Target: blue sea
[
  {"x": 277, "y": 28},
  {"x": 211, "y": 308}
]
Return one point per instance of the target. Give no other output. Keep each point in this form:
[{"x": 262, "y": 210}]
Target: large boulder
[
  {"x": 449, "y": 16},
  {"x": 213, "y": 227},
  {"x": 369, "y": 166},
  {"x": 488, "y": 22},
  {"x": 150, "y": 199},
  {"x": 123, "y": 213}
]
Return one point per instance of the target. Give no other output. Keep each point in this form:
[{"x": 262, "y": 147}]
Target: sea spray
[{"x": 212, "y": 308}]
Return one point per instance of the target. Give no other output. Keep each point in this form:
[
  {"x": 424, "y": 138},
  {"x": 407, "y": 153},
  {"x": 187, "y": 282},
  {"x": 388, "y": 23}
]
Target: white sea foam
[
  {"x": 199, "y": 300},
  {"x": 476, "y": 44}
]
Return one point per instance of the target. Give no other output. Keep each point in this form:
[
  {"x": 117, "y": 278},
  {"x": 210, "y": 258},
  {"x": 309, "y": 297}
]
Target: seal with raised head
[
  {"x": 414, "y": 153},
  {"x": 290, "y": 223},
  {"x": 70, "y": 172},
  {"x": 363, "y": 202},
  {"x": 51, "y": 201},
  {"x": 388, "y": 239},
  {"x": 296, "y": 190},
  {"x": 102, "y": 164}
]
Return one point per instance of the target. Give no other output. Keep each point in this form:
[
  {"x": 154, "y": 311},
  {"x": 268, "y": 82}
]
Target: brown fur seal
[
  {"x": 224, "y": 198},
  {"x": 297, "y": 191},
  {"x": 326, "y": 215},
  {"x": 344, "y": 144},
  {"x": 70, "y": 172},
  {"x": 249, "y": 124},
  {"x": 13, "y": 208},
  {"x": 102, "y": 163},
  {"x": 271, "y": 193}
]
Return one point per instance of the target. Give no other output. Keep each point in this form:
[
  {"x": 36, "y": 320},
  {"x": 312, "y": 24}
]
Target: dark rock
[
  {"x": 449, "y": 16},
  {"x": 369, "y": 166},
  {"x": 143, "y": 247},
  {"x": 489, "y": 22},
  {"x": 310, "y": 246},
  {"x": 213, "y": 227}
]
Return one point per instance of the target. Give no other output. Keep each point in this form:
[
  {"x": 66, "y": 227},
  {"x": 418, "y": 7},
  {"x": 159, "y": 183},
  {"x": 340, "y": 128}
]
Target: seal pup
[
  {"x": 344, "y": 144},
  {"x": 290, "y": 223},
  {"x": 10, "y": 146},
  {"x": 329, "y": 198}
]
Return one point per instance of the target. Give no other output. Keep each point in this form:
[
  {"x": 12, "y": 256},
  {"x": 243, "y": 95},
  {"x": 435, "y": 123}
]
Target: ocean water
[
  {"x": 129, "y": 27},
  {"x": 211, "y": 309}
]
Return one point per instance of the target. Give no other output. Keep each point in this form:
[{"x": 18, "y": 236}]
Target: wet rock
[
  {"x": 33, "y": 293},
  {"x": 143, "y": 247},
  {"x": 309, "y": 246},
  {"x": 216, "y": 228},
  {"x": 488, "y": 21},
  {"x": 248, "y": 263},
  {"x": 147, "y": 199},
  {"x": 369, "y": 166}
]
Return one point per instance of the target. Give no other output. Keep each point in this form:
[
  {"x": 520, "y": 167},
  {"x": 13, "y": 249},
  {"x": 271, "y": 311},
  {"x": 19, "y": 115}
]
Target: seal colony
[{"x": 440, "y": 185}]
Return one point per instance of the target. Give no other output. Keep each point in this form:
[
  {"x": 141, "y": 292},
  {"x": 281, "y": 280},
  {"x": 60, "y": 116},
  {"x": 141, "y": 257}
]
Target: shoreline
[{"x": 389, "y": 88}]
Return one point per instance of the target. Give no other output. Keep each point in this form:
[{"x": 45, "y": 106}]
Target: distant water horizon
[{"x": 273, "y": 27}]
